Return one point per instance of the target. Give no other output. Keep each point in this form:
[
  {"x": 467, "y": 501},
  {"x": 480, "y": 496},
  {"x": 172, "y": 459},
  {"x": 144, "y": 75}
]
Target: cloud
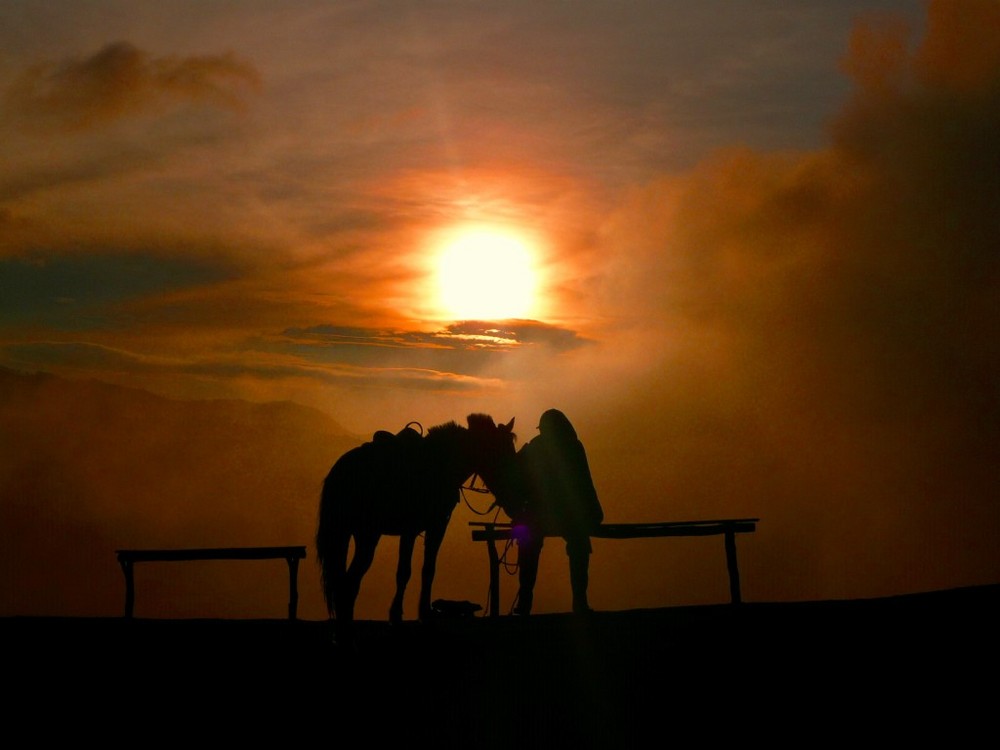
[
  {"x": 881, "y": 245},
  {"x": 78, "y": 355},
  {"x": 822, "y": 328},
  {"x": 506, "y": 333},
  {"x": 465, "y": 335},
  {"x": 79, "y": 291},
  {"x": 121, "y": 81}
]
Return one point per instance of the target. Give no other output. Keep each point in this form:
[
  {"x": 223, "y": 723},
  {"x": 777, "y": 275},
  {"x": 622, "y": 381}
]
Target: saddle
[
  {"x": 408, "y": 436},
  {"x": 399, "y": 451}
]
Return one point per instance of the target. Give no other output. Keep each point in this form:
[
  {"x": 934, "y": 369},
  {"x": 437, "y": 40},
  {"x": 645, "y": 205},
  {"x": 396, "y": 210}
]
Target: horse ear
[{"x": 509, "y": 426}]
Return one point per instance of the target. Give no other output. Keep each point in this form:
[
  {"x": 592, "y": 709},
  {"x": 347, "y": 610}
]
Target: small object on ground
[{"x": 450, "y": 608}]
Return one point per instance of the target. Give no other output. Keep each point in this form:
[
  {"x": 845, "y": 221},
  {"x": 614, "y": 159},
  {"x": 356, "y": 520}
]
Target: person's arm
[{"x": 588, "y": 491}]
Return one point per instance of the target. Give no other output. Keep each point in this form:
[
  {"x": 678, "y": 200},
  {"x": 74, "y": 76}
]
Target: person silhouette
[{"x": 559, "y": 499}]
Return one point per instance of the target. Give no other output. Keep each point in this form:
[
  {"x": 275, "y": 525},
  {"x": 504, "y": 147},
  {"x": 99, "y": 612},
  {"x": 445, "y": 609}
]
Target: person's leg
[
  {"x": 579, "y": 573},
  {"x": 528, "y": 552}
]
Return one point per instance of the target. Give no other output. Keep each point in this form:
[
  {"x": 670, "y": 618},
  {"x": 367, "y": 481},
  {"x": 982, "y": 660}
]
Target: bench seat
[{"x": 490, "y": 533}]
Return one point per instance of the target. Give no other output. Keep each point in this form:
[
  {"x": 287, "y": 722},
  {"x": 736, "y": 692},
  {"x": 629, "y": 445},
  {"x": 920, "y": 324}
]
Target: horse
[{"x": 402, "y": 485}]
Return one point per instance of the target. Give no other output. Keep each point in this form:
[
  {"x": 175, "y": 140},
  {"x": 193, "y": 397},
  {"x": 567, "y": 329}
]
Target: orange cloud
[{"x": 822, "y": 327}]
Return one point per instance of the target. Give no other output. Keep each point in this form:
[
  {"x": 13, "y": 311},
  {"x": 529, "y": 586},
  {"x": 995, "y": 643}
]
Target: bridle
[{"x": 471, "y": 487}]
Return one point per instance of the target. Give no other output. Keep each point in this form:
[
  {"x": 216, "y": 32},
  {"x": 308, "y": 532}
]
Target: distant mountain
[{"x": 87, "y": 468}]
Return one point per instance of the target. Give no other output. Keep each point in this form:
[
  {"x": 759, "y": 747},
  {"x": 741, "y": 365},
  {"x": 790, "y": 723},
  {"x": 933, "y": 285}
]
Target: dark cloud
[
  {"x": 120, "y": 80},
  {"x": 334, "y": 335},
  {"x": 466, "y": 335},
  {"x": 516, "y": 332},
  {"x": 74, "y": 292}
]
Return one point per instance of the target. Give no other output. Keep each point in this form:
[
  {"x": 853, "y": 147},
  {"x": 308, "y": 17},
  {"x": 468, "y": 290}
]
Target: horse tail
[{"x": 332, "y": 537}]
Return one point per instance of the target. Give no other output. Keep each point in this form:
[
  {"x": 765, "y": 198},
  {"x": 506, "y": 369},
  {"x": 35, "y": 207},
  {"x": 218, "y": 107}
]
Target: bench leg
[
  {"x": 491, "y": 549},
  {"x": 293, "y": 587},
  {"x": 734, "y": 572},
  {"x": 129, "y": 587}
]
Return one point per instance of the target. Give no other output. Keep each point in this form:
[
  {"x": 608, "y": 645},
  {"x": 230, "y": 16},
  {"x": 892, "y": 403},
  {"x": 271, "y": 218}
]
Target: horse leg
[
  {"x": 432, "y": 544},
  {"x": 347, "y": 592},
  {"x": 334, "y": 567},
  {"x": 403, "y": 570}
]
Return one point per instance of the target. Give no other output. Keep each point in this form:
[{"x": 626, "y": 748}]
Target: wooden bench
[
  {"x": 128, "y": 557},
  {"x": 491, "y": 533}
]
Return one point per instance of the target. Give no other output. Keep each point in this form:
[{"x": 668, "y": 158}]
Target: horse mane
[
  {"x": 445, "y": 429},
  {"x": 481, "y": 421},
  {"x": 476, "y": 422}
]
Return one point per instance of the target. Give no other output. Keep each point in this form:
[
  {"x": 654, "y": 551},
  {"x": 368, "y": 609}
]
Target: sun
[{"x": 487, "y": 273}]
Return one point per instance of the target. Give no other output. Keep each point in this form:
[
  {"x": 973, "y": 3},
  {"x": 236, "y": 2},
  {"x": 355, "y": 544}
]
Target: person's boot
[
  {"x": 579, "y": 578},
  {"x": 524, "y": 601}
]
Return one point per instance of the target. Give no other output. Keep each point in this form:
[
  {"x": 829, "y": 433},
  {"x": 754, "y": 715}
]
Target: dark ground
[{"x": 916, "y": 667}]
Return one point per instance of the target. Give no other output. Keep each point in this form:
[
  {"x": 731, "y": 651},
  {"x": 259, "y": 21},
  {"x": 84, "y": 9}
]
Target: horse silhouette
[{"x": 402, "y": 485}]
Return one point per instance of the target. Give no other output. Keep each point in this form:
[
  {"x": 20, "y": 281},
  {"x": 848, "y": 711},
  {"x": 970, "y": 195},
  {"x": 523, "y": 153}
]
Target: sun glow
[{"x": 484, "y": 273}]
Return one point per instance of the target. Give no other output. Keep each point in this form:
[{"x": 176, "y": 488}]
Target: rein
[
  {"x": 471, "y": 487},
  {"x": 510, "y": 567}
]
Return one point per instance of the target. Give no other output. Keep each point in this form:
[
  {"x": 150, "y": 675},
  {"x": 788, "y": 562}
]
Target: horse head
[{"x": 494, "y": 458}]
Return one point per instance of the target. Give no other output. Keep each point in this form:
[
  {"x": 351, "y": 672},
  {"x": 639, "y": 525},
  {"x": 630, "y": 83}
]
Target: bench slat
[
  {"x": 212, "y": 553},
  {"x": 687, "y": 528},
  {"x": 635, "y": 530}
]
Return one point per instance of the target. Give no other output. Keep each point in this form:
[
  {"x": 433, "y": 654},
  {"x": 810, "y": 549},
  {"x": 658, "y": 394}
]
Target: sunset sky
[{"x": 750, "y": 248}]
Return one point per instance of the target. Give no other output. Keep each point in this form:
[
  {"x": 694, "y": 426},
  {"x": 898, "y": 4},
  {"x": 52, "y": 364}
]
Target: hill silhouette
[{"x": 88, "y": 468}]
